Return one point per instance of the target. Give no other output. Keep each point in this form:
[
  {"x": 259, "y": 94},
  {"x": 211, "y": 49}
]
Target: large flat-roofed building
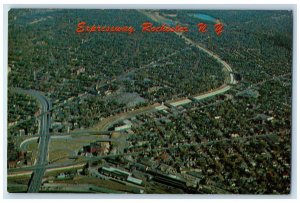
[{"x": 123, "y": 127}]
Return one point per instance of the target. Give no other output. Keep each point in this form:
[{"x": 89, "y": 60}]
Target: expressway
[
  {"x": 44, "y": 138},
  {"x": 224, "y": 88}
]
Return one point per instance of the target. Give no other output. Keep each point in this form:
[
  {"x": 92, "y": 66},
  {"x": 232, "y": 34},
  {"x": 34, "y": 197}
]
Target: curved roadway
[{"x": 44, "y": 125}]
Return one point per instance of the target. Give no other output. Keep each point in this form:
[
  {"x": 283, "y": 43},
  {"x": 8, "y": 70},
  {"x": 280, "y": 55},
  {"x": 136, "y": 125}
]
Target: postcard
[{"x": 149, "y": 101}]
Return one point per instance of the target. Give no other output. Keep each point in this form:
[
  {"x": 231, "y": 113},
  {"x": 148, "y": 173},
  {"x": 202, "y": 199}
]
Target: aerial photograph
[{"x": 149, "y": 101}]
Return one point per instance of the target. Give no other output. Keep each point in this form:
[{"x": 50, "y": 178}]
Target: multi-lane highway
[
  {"x": 44, "y": 137},
  {"x": 37, "y": 175}
]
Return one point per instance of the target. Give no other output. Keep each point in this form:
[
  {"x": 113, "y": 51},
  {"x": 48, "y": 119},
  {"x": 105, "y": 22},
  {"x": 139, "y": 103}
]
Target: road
[{"x": 44, "y": 138}]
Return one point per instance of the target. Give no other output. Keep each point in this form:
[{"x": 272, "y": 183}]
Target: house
[{"x": 61, "y": 176}]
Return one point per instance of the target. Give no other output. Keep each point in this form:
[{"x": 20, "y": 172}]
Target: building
[
  {"x": 22, "y": 132},
  {"x": 97, "y": 147},
  {"x": 134, "y": 180},
  {"x": 12, "y": 164},
  {"x": 123, "y": 127},
  {"x": 120, "y": 174}
]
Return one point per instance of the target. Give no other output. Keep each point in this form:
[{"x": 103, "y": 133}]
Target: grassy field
[
  {"x": 64, "y": 147},
  {"x": 60, "y": 150},
  {"x": 18, "y": 183}
]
